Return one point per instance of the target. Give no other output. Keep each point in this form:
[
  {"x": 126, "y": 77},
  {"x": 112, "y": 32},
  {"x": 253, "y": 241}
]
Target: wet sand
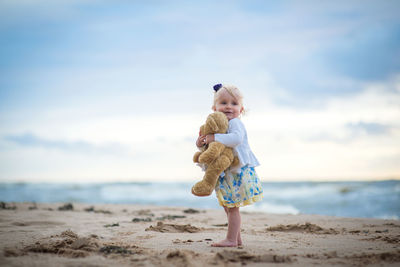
[{"x": 134, "y": 235}]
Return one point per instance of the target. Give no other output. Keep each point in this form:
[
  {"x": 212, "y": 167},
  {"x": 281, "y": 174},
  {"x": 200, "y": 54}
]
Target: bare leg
[
  {"x": 232, "y": 236},
  {"x": 239, "y": 239}
]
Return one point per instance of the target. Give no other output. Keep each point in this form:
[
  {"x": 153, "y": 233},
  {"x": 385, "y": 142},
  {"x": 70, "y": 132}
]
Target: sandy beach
[{"x": 77, "y": 234}]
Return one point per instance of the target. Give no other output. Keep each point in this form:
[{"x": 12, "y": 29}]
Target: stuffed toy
[{"x": 216, "y": 156}]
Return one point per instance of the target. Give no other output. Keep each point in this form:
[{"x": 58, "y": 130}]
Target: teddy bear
[{"x": 216, "y": 156}]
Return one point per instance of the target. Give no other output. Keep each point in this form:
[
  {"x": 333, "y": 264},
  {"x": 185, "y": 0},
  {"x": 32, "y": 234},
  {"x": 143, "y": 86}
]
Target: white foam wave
[
  {"x": 303, "y": 191},
  {"x": 389, "y": 217},
  {"x": 271, "y": 208},
  {"x": 157, "y": 193}
]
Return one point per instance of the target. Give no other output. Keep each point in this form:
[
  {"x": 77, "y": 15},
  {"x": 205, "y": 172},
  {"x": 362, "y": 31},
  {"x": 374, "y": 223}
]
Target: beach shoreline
[{"x": 76, "y": 234}]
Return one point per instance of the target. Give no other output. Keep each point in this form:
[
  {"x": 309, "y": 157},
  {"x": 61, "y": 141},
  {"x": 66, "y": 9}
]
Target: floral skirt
[{"x": 239, "y": 189}]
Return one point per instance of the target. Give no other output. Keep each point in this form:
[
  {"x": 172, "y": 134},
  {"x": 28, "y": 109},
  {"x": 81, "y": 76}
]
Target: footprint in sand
[
  {"x": 192, "y": 211},
  {"x": 173, "y": 228},
  {"x": 244, "y": 257},
  {"x": 40, "y": 223},
  {"x": 181, "y": 257},
  {"x": 178, "y": 241},
  {"x": 69, "y": 244},
  {"x": 7, "y": 206},
  {"x": 302, "y": 228},
  {"x": 388, "y": 239},
  {"x": 375, "y": 258}
]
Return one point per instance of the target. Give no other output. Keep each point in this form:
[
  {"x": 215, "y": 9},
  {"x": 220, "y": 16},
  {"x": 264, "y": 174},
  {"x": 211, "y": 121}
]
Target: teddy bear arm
[
  {"x": 196, "y": 156},
  {"x": 213, "y": 151}
]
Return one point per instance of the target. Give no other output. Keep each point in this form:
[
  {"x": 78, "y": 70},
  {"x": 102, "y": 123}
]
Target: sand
[{"x": 134, "y": 235}]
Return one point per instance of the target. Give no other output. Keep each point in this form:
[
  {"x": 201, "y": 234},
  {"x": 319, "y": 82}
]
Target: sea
[{"x": 372, "y": 199}]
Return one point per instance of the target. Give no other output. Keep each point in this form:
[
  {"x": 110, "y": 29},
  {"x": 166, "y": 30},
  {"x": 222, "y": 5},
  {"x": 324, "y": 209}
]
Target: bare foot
[
  {"x": 225, "y": 243},
  {"x": 239, "y": 240}
]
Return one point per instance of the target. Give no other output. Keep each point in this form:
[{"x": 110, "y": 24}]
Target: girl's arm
[{"x": 235, "y": 135}]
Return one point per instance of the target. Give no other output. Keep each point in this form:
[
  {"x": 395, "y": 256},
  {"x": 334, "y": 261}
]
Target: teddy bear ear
[{"x": 213, "y": 124}]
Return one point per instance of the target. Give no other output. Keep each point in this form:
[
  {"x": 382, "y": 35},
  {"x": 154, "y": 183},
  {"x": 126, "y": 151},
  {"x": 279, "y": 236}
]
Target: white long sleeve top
[{"x": 236, "y": 138}]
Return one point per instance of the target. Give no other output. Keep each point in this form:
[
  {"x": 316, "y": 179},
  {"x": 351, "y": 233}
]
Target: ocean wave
[
  {"x": 271, "y": 208},
  {"x": 345, "y": 199}
]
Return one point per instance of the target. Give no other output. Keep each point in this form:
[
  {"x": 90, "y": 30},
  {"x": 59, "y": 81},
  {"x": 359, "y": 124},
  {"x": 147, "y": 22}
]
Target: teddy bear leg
[
  {"x": 216, "y": 168},
  {"x": 213, "y": 151},
  {"x": 207, "y": 185},
  {"x": 202, "y": 189}
]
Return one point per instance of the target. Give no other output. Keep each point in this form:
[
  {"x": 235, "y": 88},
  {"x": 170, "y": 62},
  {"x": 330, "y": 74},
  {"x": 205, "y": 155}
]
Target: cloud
[
  {"x": 370, "y": 128},
  {"x": 87, "y": 79},
  {"x": 352, "y": 132},
  {"x": 119, "y": 149},
  {"x": 31, "y": 140},
  {"x": 355, "y": 136},
  {"x": 370, "y": 54},
  {"x": 310, "y": 58}
]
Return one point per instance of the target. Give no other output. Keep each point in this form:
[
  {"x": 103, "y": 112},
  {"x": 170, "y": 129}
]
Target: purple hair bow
[{"x": 217, "y": 87}]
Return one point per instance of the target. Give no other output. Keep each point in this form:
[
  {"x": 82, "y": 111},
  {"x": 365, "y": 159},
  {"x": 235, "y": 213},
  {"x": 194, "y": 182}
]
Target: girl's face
[{"x": 228, "y": 105}]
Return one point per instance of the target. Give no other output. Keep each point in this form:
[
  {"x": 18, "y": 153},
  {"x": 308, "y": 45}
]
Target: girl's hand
[
  {"x": 201, "y": 141},
  {"x": 209, "y": 138}
]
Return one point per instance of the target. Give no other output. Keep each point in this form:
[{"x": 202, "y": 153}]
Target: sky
[{"x": 115, "y": 91}]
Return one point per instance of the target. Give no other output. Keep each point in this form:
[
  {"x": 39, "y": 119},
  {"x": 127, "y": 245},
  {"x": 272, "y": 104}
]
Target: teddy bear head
[{"x": 216, "y": 122}]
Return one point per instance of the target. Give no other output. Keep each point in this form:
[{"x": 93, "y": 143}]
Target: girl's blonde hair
[{"x": 233, "y": 91}]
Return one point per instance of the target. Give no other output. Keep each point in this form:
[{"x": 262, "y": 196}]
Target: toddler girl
[{"x": 239, "y": 186}]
